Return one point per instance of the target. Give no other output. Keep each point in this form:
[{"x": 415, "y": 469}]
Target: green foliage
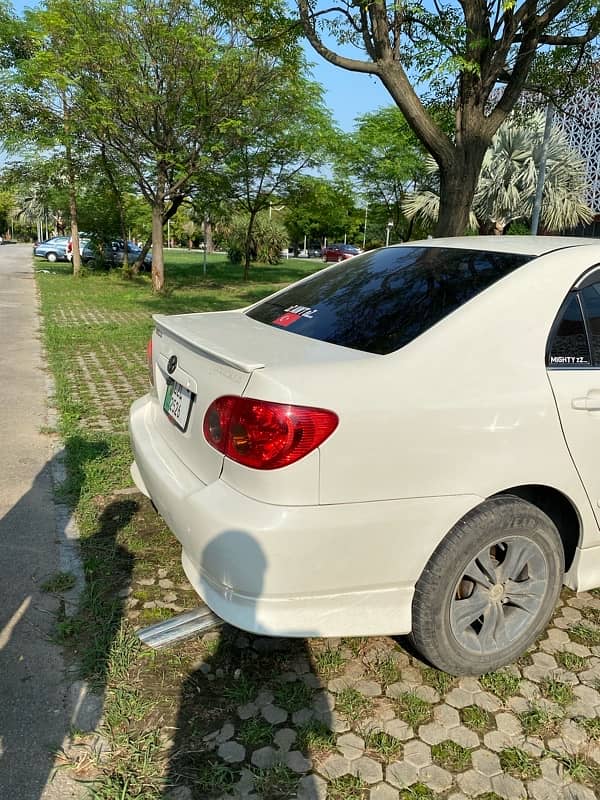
[{"x": 267, "y": 239}]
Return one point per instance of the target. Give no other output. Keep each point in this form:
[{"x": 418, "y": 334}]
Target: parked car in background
[
  {"x": 54, "y": 249},
  {"x": 310, "y": 252},
  {"x": 340, "y": 252},
  {"x": 405, "y": 444},
  {"x": 112, "y": 254},
  {"x": 84, "y": 238}
]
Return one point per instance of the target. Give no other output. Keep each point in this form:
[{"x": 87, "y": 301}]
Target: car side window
[
  {"x": 590, "y": 299},
  {"x": 570, "y": 347}
]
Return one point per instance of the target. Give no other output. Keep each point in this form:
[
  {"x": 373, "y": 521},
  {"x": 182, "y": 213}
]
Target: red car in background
[{"x": 340, "y": 252}]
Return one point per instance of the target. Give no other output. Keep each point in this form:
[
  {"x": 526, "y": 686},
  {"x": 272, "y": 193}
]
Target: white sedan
[{"x": 407, "y": 442}]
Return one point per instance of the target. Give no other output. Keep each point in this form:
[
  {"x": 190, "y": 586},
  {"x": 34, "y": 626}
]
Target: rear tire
[
  {"x": 51, "y": 257},
  {"x": 489, "y": 589}
]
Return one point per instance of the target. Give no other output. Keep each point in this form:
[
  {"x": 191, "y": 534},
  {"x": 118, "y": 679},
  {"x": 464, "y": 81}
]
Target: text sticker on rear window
[{"x": 293, "y": 314}]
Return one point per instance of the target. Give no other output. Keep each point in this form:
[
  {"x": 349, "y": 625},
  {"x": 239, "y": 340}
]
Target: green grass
[
  {"x": 60, "y": 582},
  {"x": 440, "y": 681},
  {"x": 451, "y": 756},
  {"x": 501, "y": 683},
  {"x": 585, "y": 634},
  {"x": 328, "y": 661},
  {"x": 518, "y": 763},
  {"x": 557, "y": 691},
  {"x": 536, "y": 721},
  {"x": 348, "y": 787},
  {"x": 475, "y": 718},
  {"x": 95, "y": 331},
  {"x": 276, "y": 782},
  {"x": 384, "y": 745},
  {"x": 591, "y": 614},
  {"x": 256, "y": 732},
  {"x": 355, "y": 643},
  {"x": 352, "y": 704},
  {"x": 314, "y": 737},
  {"x": 293, "y": 696},
  {"x": 591, "y": 727},
  {"x": 418, "y": 791},
  {"x": 386, "y": 670},
  {"x": 412, "y": 709},
  {"x": 570, "y": 661}
]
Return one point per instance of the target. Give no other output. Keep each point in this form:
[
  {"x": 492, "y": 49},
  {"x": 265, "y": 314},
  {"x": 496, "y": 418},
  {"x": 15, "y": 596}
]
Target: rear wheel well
[{"x": 560, "y": 510}]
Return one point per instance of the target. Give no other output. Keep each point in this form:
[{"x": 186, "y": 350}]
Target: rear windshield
[{"x": 380, "y": 301}]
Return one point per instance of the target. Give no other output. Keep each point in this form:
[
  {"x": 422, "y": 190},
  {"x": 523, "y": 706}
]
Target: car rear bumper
[{"x": 335, "y": 570}]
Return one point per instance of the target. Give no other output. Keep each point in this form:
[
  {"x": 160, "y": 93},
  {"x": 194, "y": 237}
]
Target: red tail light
[
  {"x": 265, "y": 435},
  {"x": 149, "y": 361}
]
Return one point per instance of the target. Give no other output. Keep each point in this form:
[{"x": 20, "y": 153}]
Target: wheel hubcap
[{"x": 499, "y": 595}]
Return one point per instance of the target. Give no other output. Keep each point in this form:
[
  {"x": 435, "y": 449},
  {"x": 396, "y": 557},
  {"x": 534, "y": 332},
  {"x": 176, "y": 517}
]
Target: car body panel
[
  {"x": 334, "y": 543},
  {"x": 57, "y": 245}
]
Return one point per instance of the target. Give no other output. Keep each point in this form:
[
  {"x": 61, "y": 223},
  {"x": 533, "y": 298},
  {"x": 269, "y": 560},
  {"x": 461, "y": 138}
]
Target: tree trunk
[
  {"x": 208, "y": 235},
  {"x": 248, "y": 247},
  {"x": 158, "y": 263},
  {"x": 73, "y": 211},
  {"x": 458, "y": 181}
]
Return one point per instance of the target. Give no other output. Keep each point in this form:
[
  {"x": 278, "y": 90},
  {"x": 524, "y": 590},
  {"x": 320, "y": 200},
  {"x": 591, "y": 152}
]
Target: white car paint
[{"x": 334, "y": 543}]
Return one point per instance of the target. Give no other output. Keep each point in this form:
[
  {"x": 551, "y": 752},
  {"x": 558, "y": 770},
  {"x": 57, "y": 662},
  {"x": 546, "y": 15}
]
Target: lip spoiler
[{"x": 206, "y": 349}]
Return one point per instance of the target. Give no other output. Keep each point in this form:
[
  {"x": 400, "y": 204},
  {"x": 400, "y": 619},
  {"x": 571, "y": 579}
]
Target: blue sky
[{"x": 347, "y": 94}]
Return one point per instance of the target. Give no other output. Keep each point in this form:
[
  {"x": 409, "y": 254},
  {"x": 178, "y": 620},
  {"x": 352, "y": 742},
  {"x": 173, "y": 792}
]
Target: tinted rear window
[{"x": 380, "y": 301}]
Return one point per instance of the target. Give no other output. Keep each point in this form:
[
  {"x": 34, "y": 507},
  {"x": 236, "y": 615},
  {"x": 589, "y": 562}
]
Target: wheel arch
[{"x": 561, "y": 510}]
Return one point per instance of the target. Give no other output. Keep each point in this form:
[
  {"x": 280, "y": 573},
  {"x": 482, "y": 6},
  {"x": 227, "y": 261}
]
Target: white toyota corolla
[{"x": 405, "y": 442}]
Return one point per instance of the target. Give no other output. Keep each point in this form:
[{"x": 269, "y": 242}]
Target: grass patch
[
  {"x": 580, "y": 769},
  {"x": 386, "y": 670},
  {"x": 256, "y": 732},
  {"x": 328, "y": 661},
  {"x": 583, "y": 633},
  {"x": 501, "y": 683},
  {"x": 557, "y": 691},
  {"x": 242, "y": 691},
  {"x": 212, "y": 777},
  {"x": 276, "y": 782},
  {"x": 293, "y": 696},
  {"x": 418, "y": 791},
  {"x": 60, "y": 582},
  {"x": 591, "y": 727},
  {"x": 352, "y": 704},
  {"x": 348, "y": 787},
  {"x": 384, "y": 745},
  {"x": 412, "y": 709},
  {"x": 451, "y": 756},
  {"x": 355, "y": 644},
  {"x": 314, "y": 737},
  {"x": 591, "y": 614},
  {"x": 570, "y": 661},
  {"x": 518, "y": 763},
  {"x": 475, "y": 718},
  {"x": 440, "y": 681},
  {"x": 536, "y": 721}
]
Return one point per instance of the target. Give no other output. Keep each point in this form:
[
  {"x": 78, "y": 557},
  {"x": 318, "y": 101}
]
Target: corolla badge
[{"x": 172, "y": 365}]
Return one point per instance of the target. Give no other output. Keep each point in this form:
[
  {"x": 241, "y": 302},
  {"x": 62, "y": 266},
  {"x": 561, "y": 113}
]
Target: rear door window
[
  {"x": 382, "y": 300},
  {"x": 590, "y": 298},
  {"x": 569, "y": 345}
]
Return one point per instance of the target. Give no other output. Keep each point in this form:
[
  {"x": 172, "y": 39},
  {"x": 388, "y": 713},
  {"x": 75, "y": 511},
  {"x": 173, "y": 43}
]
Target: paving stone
[
  {"x": 473, "y": 783},
  {"x": 457, "y": 796},
  {"x": 383, "y": 791},
  {"x": 459, "y": 698},
  {"x": 180, "y": 793},
  {"x": 470, "y": 685},
  {"x": 146, "y": 581},
  {"x": 401, "y": 774},
  {"x": 533, "y": 747},
  {"x": 324, "y": 701},
  {"x": 354, "y": 669},
  {"x": 552, "y": 771},
  {"x": 417, "y": 753},
  {"x": 497, "y": 741},
  {"x": 587, "y": 695},
  {"x": 436, "y": 778},
  {"x": 248, "y": 710},
  {"x": 574, "y": 733},
  {"x": 274, "y": 714},
  {"x": 508, "y": 787},
  {"x": 433, "y": 733},
  {"x": 529, "y": 689},
  {"x": 232, "y": 752},
  {"x": 578, "y": 792},
  {"x": 337, "y": 685},
  {"x": 335, "y": 721},
  {"x": 311, "y": 787},
  {"x": 335, "y": 766},
  {"x": 383, "y": 710},
  {"x": 519, "y": 705},
  {"x": 558, "y": 637},
  {"x": 508, "y": 723},
  {"x": 368, "y": 688},
  {"x": 297, "y": 762},
  {"x": 446, "y": 716},
  {"x": 302, "y": 716},
  {"x": 285, "y": 738},
  {"x": 540, "y": 789},
  {"x": 487, "y": 701},
  {"x": 395, "y": 690},
  {"x": 485, "y": 762},
  {"x": 165, "y": 583},
  {"x": 266, "y": 757},
  {"x": 399, "y": 729},
  {"x": 264, "y": 698},
  {"x": 226, "y": 732},
  {"x": 412, "y": 675},
  {"x": 544, "y": 660},
  {"x": 581, "y": 709},
  {"x": 427, "y": 693},
  {"x": 368, "y": 769},
  {"x": 312, "y": 681},
  {"x": 464, "y": 737}
]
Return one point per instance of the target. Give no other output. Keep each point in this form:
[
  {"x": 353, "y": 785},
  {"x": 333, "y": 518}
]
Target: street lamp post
[
  {"x": 388, "y": 228},
  {"x": 365, "y": 228}
]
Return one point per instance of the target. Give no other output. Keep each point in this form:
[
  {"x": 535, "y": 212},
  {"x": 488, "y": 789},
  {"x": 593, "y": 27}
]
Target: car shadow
[{"x": 253, "y": 710}]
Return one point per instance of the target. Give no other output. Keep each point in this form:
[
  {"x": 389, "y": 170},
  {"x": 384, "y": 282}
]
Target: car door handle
[{"x": 589, "y": 403}]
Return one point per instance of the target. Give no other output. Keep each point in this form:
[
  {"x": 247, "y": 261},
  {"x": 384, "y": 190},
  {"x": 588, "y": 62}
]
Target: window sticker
[{"x": 293, "y": 314}]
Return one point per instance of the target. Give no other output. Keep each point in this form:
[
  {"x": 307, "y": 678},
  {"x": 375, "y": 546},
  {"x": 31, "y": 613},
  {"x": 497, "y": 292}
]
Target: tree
[
  {"x": 282, "y": 130},
  {"x": 506, "y": 188},
  {"x": 462, "y": 49},
  {"x": 319, "y": 208}
]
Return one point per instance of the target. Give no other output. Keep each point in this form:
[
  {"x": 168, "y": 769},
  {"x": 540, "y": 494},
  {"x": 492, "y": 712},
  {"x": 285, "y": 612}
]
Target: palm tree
[{"x": 507, "y": 182}]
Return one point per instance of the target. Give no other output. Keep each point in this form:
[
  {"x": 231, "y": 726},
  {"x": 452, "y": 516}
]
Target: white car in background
[{"x": 405, "y": 443}]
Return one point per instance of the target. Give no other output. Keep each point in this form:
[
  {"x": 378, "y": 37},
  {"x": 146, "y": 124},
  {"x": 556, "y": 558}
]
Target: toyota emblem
[{"x": 172, "y": 365}]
